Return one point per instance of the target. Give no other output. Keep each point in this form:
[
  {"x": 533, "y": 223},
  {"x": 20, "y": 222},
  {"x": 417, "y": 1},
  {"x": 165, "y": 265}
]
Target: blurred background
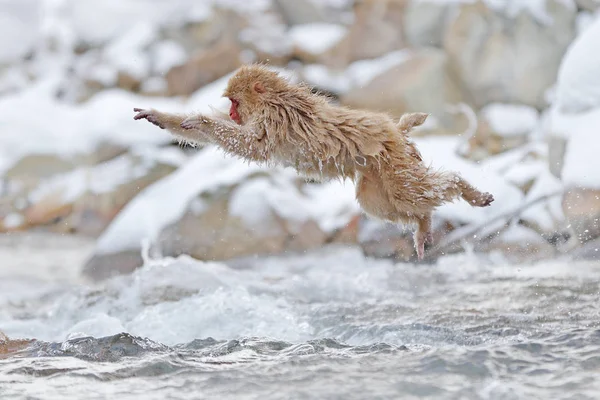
[
  {"x": 511, "y": 88},
  {"x": 127, "y": 257}
]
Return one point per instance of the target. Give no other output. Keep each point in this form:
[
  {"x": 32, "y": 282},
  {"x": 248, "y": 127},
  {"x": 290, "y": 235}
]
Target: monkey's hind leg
[
  {"x": 474, "y": 197},
  {"x": 422, "y": 235},
  {"x": 454, "y": 186}
]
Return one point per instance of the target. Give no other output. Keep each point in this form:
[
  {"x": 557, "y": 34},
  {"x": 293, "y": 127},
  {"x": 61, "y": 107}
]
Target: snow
[
  {"x": 520, "y": 234},
  {"x": 538, "y": 9},
  {"x": 254, "y": 200},
  {"x": 166, "y": 201},
  {"x": 510, "y": 119},
  {"x": 439, "y": 152},
  {"x": 13, "y": 220},
  {"x": 578, "y": 84},
  {"x": 316, "y": 38},
  {"x": 581, "y": 160},
  {"x": 357, "y": 74},
  {"x": 363, "y": 71},
  {"x": 101, "y": 178},
  {"x": 525, "y": 171},
  {"x": 127, "y": 53},
  {"x": 548, "y": 213},
  {"x": 324, "y": 78},
  {"x": 167, "y": 54},
  {"x": 105, "y": 117},
  {"x": 19, "y": 28}
]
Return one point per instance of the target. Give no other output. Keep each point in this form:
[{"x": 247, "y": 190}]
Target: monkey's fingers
[{"x": 149, "y": 116}]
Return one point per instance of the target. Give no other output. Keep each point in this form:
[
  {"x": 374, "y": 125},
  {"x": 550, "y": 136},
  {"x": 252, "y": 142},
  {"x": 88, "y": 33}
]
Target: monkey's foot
[
  {"x": 484, "y": 200},
  {"x": 420, "y": 239},
  {"x": 149, "y": 115}
]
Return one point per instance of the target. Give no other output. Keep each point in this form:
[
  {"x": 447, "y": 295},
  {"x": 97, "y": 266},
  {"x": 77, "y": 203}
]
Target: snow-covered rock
[
  {"x": 578, "y": 85},
  {"x": 402, "y": 82},
  {"x": 19, "y": 28},
  {"x": 524, "y": 42}
]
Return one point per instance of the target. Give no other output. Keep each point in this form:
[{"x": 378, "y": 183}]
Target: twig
[{"x": 461, "y": 233}]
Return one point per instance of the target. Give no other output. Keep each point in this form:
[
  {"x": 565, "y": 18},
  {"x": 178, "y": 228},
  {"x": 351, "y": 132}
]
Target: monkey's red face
[{"x": 233, "y": 111}]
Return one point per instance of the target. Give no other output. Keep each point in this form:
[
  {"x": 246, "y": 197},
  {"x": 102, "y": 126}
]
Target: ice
[
  {"x": 510, "y": 119},
  {"x": 316, "y": 38}
]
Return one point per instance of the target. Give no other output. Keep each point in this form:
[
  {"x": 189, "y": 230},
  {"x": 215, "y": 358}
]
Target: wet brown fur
[{"x": 284, "y": 123}]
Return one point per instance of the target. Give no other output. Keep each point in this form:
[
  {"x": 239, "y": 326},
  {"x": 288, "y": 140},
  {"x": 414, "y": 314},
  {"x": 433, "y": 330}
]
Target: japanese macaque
[{"x": 276, "y": 122}]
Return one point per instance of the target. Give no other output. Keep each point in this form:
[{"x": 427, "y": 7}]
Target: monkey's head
[{"x": 250, "y": 88}]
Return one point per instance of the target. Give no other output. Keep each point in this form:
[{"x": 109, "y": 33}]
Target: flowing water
[{"x": 330, "y": 324}]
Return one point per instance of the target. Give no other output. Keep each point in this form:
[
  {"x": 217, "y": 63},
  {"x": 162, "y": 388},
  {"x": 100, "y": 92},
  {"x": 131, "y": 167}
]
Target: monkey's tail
[{"x": 409, "y": 121}]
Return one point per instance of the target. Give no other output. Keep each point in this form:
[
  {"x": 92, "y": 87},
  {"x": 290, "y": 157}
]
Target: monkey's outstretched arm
[
  {"x": 171, "y": 122},
  {"x": 242, "y": 141}
]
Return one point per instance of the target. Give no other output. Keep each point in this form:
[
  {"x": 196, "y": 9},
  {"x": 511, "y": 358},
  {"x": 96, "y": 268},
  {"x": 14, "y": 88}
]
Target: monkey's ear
[{"x": 259, "y": 87}]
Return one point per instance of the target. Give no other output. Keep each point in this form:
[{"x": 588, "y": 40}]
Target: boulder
[
  {"x": 322, "y": 43},
  {"x": 377, "y": 28},
  {"x": 298, "y": 12},
  {"x": 202, "y": 68},
  {"x": 259, "y": 214},
  {"x": 588, "y": 5},
  {"x": 508, "y": 55},
  {"x": 425, "y": 22},
  {"x": 502, "y": 127},
  {"x": 420, "y": 83},
  {"x": 581, "y": 207},
  {"x": 83, "y": 199}
]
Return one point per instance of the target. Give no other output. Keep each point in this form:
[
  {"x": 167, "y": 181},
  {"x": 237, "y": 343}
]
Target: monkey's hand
[{"x": 151, "y": 116}]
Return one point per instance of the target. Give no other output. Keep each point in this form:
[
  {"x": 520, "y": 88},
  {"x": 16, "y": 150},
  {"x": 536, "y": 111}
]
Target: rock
[
  {"x": 581, "y": 207},
  {"x": 521, "y": 53},
  {"x": 96, "y": 268},
  {"x": 518, "y": 244},
  {"x": 421, "y": 83},
  {"x": 557, "y": 147},
  {"x": 588, "y": 5},
  {"x": 84, "y": 199},
  {"x": 297, "y": 12},
  {"x": 320, "y": 43},
  {"x": 213, "y": 234},
  {"x": 30, "y": 169},
  {"x": 502, "y": 127},
  {"x": 203, "y": 68},
  {"x": 588, "y": 251},
  {"x": 425, "y": 22},
  {"x": 383, "y": 240},
  {"x": 224, "y": 25},
  {"x": 377, "y": 28}
]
